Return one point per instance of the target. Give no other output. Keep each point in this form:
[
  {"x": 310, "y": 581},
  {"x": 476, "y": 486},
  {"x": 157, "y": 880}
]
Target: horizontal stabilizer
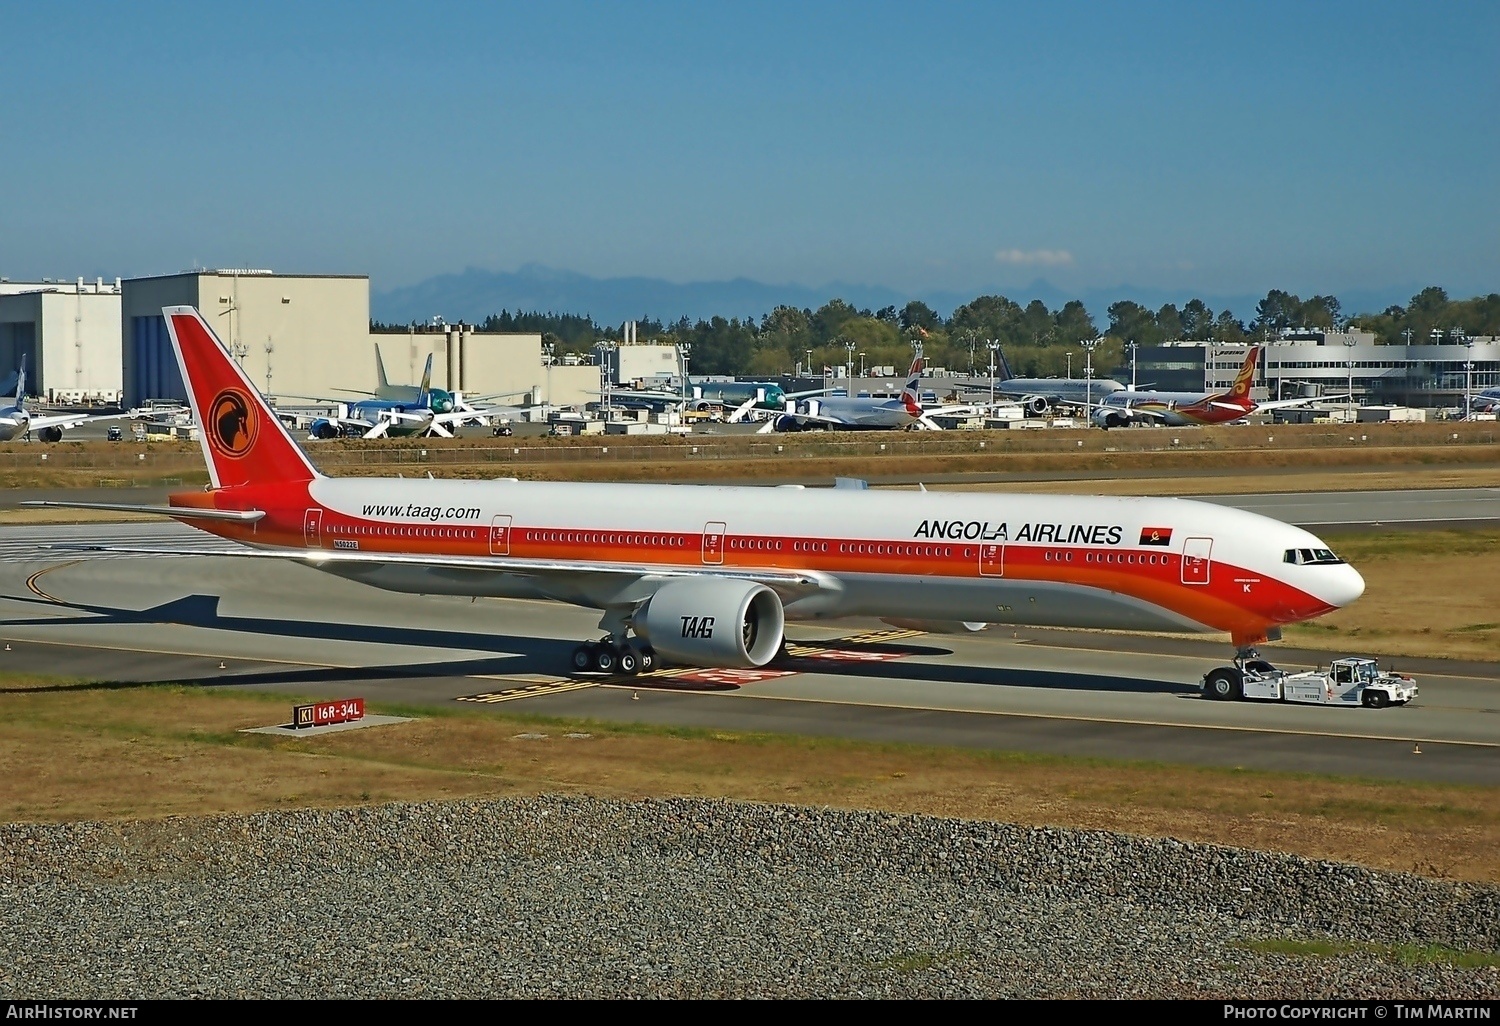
[{"x": 248, "y": 516}]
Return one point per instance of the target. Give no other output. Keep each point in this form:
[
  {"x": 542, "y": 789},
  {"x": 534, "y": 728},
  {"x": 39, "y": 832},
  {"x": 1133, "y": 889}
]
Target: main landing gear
[
  {"x": 627, "y": 657},
  {"x": 1227, "y": 682}
]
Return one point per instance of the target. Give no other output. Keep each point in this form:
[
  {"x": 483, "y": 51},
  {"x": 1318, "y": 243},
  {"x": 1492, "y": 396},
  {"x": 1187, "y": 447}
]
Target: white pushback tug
[{"x": 1349, "y": 681}]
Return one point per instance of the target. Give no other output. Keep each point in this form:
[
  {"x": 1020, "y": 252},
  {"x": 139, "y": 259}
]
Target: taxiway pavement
[{"x": 261, "y": 624}]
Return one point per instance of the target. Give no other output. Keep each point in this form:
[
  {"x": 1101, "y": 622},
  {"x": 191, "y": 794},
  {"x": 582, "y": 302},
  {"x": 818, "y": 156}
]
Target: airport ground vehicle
[
  {"x": 1352, "y": 680},
  {"x": 114, "y": 434}
]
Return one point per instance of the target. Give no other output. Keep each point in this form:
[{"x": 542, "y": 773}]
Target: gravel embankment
[{"x": 579, "y": 897}]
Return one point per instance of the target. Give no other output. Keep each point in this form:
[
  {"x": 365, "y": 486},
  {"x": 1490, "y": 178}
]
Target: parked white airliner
[
  {"x": 708, "y": 576},
  {"x": 16, "y": 420}
]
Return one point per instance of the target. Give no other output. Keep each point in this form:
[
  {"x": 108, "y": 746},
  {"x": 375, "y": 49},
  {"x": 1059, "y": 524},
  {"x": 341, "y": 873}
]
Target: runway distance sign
[{"x": 321, "y": 714}]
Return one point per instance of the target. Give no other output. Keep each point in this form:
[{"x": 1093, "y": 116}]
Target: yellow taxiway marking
[
  {"x": 36, "y": 589},
  {"x": 874, "y": 637},
  {"x": 527, "y": 691}
]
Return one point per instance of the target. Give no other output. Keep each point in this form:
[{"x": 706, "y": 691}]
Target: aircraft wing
[
  {"x": 74, "y": 419},
  {"x": 1282, "y": 404},
  {"x": 961, "y": 409},
  {"x": 496, "y": 395},
  {"x": 740, "y": 410},
  {"x": 1130, "y": 412},
  {"x": 477, "y": 414},
  {"x": 815, "y": 418},
  {"x": 626, "y": 393},
  {"x": 787, "y": 583}
]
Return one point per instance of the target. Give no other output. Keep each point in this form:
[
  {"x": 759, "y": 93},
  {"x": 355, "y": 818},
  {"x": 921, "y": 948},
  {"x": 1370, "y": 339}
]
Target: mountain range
[{"x": 475, "y": 293}]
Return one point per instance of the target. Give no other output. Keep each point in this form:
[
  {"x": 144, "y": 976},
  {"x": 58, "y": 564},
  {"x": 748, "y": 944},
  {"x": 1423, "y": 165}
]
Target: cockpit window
[{"x": 1304, "y": 557}]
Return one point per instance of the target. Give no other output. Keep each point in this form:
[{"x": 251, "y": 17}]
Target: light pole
[
  {"x": 1468, "y": 376},
  {"x": 1088, "y": 376},
  {"x": 604, "y": 346},
  {"x": 547, "y": 403},
  {"x": 1070, "y": 364},
  {"x": 1349, "y": 342},
  {"x": 1132, "y": 366},
  {"x": 849, "y": 346},
  {"x": 861, "y": 365},
  {"x": 992, "y": 344},
  {"x": 685, "y": 348},
  {"x": 809, "y": 363}
]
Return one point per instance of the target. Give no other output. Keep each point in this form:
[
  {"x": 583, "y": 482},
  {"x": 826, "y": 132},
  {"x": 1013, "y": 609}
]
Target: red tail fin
[
  {"x": 1246, "y": 377},
  {"x": 243, "y": 441}
]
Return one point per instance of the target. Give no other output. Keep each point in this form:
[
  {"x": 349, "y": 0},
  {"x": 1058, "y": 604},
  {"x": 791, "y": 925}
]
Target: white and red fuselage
[
  {"x": 643, "y": 550},
  {"x": 1077, "y": 561}
]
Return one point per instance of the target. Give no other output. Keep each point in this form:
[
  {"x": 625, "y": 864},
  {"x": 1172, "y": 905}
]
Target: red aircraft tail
[
  {"x": 1240, "y": 390},
  {"x": 243, "y": 441},
  {"x": 911, "y": 395}
]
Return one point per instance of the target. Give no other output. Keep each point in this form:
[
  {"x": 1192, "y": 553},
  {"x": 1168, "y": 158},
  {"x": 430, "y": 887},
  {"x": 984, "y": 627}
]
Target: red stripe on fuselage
[{"x": 1241, "y": 602}]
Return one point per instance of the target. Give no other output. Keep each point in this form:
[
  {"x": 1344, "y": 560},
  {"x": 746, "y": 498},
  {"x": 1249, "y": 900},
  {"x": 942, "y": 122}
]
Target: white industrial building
[
  {"x": 646, "y": 362},
  {"x": 477, "y": 363},
  {"x": 1316, "y": 362},
  {"x": 291, "y": 333},
  {"x": 304, "y": 337},
  {"x": 69, "y": 335}
]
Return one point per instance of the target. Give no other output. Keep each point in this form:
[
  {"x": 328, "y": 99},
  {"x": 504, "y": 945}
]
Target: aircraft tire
[
  {"x": 605, "y": 659},
  {"x": 648, "y": 658},
  {"x": 630, "y": 662},
  {"x": 1222, "y": 684},
  {"x": 583, "y": 657}
]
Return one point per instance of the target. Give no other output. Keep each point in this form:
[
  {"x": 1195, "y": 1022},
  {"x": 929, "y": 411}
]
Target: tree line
[{"x": 1037, "y": 341}]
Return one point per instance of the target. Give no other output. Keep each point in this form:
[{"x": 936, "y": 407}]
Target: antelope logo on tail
[{"x": 232, "y": 423}]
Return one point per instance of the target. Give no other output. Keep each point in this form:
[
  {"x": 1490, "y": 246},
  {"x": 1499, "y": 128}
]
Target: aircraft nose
[{"x": 1346, "y": 586}]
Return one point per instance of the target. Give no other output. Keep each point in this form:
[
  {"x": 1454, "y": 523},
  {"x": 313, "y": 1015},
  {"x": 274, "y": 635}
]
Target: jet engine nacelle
[
  {"x": 1110, "y": 419},
  {"x": 712, "y": 621},
  {"x": 50, "y": 434},
  {"x": 323, "y": 429},
  {"x": 939, "y": 626},
  {"x": 1036, "y": 405}
]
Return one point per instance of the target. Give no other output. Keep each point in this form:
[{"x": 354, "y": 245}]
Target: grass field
[
  {"x": 71, "y": 751},
  {"x": 880, "y": 455}
]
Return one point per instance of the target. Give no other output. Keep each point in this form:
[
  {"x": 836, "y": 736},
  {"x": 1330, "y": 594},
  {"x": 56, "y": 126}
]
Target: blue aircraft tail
[
  {"x": 1005, "y": 372},
  {"x": 424, "y": 391}
]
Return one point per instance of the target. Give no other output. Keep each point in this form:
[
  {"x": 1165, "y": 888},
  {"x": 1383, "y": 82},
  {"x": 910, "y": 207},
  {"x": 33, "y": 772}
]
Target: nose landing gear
[{"x": 1228, "y": 682}]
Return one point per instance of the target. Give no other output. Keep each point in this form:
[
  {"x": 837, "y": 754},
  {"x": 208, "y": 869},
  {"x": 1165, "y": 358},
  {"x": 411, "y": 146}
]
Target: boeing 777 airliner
[{"x": 708, "y": 576}]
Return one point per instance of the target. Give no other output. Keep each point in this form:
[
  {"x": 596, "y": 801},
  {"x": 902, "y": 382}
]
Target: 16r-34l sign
[{"x": 321, "y": 714}]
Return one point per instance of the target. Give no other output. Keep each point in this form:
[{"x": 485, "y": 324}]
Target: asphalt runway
[{"x": 263, "y": 625}]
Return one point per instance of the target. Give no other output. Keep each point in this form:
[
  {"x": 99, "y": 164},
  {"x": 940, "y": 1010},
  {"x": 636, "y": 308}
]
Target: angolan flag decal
[{"x": 1156, "y": 536}]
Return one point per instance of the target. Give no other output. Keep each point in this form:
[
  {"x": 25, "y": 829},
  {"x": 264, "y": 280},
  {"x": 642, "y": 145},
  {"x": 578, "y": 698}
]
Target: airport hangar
[{"x": 294, "y": 335}]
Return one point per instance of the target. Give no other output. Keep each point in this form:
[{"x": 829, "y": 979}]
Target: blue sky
[{"x": 1205, "y": 147}]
